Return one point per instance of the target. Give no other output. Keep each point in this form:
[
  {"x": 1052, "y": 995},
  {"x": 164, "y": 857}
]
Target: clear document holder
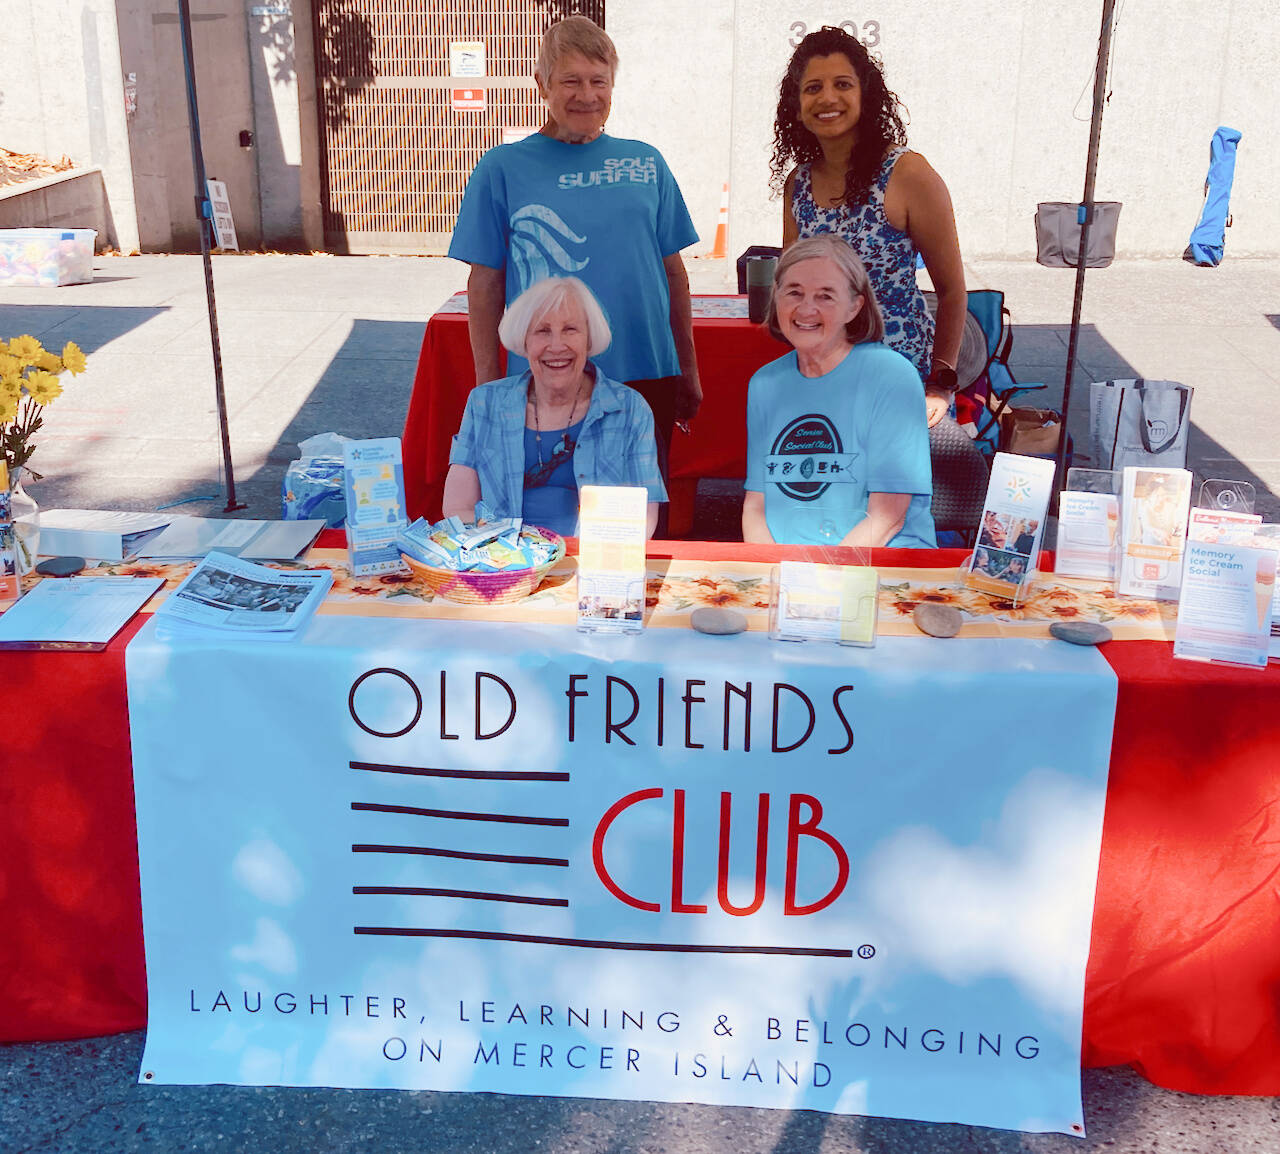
[
  {"x": 825, "y": 601},
  {"x": 1227, "y": 496}
]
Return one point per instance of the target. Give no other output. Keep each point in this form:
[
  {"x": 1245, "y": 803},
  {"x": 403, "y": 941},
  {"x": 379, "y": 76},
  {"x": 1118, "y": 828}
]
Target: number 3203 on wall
[{"x": 869, "y": 37}]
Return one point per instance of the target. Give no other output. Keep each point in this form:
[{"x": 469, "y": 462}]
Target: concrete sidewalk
[
  {"x": 313, "y": 343},
  {"x": 318, "y": 343}
]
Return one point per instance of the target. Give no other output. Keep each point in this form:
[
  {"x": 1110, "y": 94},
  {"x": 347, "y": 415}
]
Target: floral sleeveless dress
[{"x": 887, "y": 252}]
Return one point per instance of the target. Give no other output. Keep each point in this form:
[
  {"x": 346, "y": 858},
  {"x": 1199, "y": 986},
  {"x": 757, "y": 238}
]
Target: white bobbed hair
[{"x": 539, "y": 299}]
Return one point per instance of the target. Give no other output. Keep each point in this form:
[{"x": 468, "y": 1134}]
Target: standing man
[{"x": 570, "y": 200}]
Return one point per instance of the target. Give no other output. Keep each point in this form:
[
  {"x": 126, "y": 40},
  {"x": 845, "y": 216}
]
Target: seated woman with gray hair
[
  {"x": 837, "y": 447},
  {"x": 528, "y": 442}
]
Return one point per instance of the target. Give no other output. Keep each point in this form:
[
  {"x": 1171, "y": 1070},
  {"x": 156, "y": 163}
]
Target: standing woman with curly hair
[{"x": 839, "y": 126}]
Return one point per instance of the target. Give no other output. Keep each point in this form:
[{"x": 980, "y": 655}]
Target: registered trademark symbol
[{"x": 865, "y": 952}]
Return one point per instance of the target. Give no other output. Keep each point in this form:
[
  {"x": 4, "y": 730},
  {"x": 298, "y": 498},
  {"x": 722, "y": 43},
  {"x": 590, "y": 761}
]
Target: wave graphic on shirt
[{"x": 538, "y": 240}]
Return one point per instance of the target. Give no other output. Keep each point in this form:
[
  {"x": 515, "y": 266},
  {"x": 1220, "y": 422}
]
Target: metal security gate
[{"x": 400, "y": 133}]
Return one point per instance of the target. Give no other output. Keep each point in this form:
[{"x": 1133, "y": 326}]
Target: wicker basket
[{"x": 502, "y": 588}]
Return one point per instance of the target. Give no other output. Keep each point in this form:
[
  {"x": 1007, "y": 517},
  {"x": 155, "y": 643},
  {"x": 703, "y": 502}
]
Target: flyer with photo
[
  {"x": 612, "y": 523},
  {"x": 1012, "y": 524},
  {"x": 1214, "y": 525},
  {"x": 826, "y": 603},
  {"x": 1153, "y": 518},
  {"x": 1224, "y": 613},
  {"x": 373, "y": 480},
  {"x": 1088, "y": 535}
]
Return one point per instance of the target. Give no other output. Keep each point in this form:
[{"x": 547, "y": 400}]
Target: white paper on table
[
  {"x": 254, "y": 540},
  {"x": 77, "y": 609}
]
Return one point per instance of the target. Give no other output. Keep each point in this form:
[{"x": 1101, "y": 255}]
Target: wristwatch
[{"x": 942, "y": 377}]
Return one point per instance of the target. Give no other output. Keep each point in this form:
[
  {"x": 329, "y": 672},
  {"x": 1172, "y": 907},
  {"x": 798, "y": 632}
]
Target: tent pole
[
  {"x": 204, "y": 222},
  {"x": 1087, "y": 209}
]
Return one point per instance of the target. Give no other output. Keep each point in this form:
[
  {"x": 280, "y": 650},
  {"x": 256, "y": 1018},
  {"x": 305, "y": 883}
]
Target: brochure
[
  {"x": 826, "y": 603},
  {"x": 373, "y": 481},
  {"x": 1224, "y": 613},
  {"x": 1088, "y": 533},
  {"x": 75, "y": 612},
  {"x": 227, "y": 595},
  {"x": 611, "y": 569},
  {"x": 1154, "y": 531},
  {"x": 100, "y": 534},
  {"x": 187, "y": 537},
  {"x": 1214, "y": 525},
  {"x": 1012, "y": 524}
]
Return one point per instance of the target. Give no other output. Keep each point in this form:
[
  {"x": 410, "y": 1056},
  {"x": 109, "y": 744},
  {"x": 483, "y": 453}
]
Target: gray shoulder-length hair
[
  {"x": 578, "y": 34},
  {"x": 539, "y": 299},
  {"x": 868, "y": 325}
]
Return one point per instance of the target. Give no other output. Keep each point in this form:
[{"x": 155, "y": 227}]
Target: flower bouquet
[{"x": 29, "y": 380}]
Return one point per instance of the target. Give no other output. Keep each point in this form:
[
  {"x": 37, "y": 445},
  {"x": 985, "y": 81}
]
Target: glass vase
[{"x": 26, "y": 523}]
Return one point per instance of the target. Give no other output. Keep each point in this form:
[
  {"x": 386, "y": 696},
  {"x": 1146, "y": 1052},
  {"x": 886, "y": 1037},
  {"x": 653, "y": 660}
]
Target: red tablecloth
[
  {"x": 1184, "y": 971},
  {"x": 728, "y": 352}
]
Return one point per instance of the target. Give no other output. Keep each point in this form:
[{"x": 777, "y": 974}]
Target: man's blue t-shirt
[
  {"x": 608, "y": 212},
  {"x": 816, "y": 446}
]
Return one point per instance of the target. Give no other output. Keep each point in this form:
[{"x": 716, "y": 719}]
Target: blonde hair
[
  {"x": 539, "y": 299},
  {"x": 575, "y": 34},
  {"x": 868, "y": 325}
]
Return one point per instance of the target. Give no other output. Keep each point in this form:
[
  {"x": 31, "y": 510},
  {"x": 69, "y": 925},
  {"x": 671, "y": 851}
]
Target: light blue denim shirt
[{"x": 616, "y": 446}]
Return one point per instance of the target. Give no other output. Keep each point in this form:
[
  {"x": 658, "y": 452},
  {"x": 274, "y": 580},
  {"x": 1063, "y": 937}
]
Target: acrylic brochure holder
[
  {"x": 827, "y": 600},
  {"x": 1004, "y": 560},
  {"x": 611, "y": 558}
]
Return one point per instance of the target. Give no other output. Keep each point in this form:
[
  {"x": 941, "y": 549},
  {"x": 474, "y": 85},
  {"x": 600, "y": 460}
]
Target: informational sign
[
  {"x": 373, "y": 482},
  {"x": 466, "y": 58},
  {"x": 1224, "y": 611},
  {"x": 511, "y": 134},
  {"x": 666, "y": 867},
  {"x": 467, "y": 99},
  {"x": 1154, "y": 531},
  {"x": 223, "y": 226}
]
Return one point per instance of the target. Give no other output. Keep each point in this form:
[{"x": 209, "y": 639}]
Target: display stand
[{"x": 811, "y": 601}]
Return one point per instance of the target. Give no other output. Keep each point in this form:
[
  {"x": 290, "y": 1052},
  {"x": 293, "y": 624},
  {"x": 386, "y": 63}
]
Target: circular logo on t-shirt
[{"x": 805, "y": 439}]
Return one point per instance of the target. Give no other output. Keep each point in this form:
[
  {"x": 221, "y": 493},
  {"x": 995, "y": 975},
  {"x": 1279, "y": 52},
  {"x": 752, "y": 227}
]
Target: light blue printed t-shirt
[
  {"x": 608, "y": 212},
  {"x": 816, "y": 446}
]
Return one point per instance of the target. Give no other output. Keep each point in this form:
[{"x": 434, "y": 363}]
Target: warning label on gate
[{"x": 467, "y": 99}]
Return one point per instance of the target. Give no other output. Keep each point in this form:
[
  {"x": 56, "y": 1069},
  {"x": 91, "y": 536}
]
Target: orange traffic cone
[{"x": 722, "y": 226}]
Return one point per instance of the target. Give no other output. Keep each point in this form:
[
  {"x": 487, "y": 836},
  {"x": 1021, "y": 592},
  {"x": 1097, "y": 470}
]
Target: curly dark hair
[{"x": 880, "y": 126}]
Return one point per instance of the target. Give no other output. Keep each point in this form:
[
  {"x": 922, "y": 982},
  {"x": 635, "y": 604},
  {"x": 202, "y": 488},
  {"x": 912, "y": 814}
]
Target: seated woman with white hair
[{"x": 528, "y": 442}]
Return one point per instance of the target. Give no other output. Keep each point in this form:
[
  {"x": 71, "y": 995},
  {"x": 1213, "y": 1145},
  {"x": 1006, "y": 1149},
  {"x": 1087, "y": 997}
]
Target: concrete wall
[
  {"x": 999, "y": 94},
  {"x": 61, "y": 93},
  {"x": 76, "y": 199}
]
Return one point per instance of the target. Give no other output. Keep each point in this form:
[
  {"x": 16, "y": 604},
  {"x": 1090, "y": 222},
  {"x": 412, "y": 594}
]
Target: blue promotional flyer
[{"x": 478, "y": 857}]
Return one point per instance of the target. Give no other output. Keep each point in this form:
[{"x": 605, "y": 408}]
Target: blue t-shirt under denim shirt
[
  {"x": 608, "y": 212},
  {"x": 550, "y": 488},
  {"x": 817, "y": 446}
]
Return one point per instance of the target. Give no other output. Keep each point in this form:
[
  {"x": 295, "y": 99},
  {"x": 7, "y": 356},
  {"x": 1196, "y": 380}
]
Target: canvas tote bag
[
  {"x": 1058, "y": 227},
  {"x": 1139, "y": 422}
]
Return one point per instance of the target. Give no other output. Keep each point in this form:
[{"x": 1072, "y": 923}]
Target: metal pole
[
  {"x": 1086, "y": 223},
  {"x": 204, "y": 222}
]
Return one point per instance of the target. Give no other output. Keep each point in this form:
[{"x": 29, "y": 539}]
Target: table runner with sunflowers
[{"x": 676, "y": 587}]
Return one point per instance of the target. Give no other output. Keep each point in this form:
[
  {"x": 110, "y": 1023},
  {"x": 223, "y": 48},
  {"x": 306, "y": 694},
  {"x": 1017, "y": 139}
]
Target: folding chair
[
  {"x": 959, "y": 481},
  {"x": 994, "y": 385}
]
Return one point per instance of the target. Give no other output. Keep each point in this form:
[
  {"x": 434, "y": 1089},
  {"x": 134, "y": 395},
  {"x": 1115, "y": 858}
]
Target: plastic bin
[{"x": 46, "y": 256}]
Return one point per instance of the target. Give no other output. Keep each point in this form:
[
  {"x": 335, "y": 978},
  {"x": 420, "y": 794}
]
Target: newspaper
[{"x": 227, "y": 595}]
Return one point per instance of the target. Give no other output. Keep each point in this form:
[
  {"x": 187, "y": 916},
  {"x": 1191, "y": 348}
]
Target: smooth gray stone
[
  {"x": 718, "y": 622},
  {"x": 1080, "y": 632},
  {"x": 937, "y": 620},
  {"x": 60, "y": 566}
]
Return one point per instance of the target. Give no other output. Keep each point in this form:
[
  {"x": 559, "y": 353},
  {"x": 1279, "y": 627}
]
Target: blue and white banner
[{"x": 456, "y": 856}]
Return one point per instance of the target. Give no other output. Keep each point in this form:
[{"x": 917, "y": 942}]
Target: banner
[{"x": 460, "y": 856}]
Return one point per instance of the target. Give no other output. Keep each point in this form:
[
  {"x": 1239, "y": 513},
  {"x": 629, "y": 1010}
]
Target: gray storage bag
[
  {"x": 1058, "y": 228},
  {"x": 1139, "y": 422}
]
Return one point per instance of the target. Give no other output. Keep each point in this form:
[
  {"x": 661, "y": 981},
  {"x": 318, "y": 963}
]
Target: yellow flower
[
  {"x": 10, "y": 366},
  {"x": 73, "y": 358},
  {"x": 26, "y": 348},
  {"x": 48, "y": 361},
  {"x": 43, "y": 387},
  {"x": 8, "y": 406},
  {"x": 4, "y": 347}
]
